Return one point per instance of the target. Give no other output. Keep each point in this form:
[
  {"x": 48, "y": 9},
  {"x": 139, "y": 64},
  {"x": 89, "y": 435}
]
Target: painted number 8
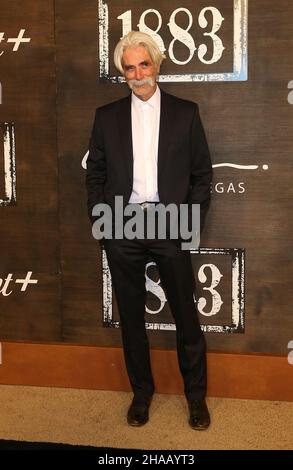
[{"x": 181, "y": 35}]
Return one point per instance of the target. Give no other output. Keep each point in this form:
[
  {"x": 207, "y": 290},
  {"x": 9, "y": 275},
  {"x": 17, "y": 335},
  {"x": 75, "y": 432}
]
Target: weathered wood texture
[
  {"x": 29, "y": 230},
  {"x": 247, "y": 123}
]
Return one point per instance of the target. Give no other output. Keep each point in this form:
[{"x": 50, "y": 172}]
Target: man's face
[{"x": 140, "y": 72}]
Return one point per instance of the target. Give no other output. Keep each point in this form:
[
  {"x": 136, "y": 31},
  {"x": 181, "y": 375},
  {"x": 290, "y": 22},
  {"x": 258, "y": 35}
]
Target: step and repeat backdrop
[{"x": 235, "y": 59}]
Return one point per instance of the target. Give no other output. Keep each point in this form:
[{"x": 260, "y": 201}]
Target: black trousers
[{"x": 127, "y": 260}]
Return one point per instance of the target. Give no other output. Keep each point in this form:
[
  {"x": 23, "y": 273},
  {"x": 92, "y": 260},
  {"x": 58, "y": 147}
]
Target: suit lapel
[
  {"x": 125, "y": 129},
  {"x": 164, "y": 132}
]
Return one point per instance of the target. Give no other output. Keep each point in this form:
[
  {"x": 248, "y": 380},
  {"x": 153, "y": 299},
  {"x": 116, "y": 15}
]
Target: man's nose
[{"x": 138, "y": 74}]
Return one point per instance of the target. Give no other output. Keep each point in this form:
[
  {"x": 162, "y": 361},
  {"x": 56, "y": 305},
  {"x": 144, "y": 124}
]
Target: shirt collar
[{"x": 154, "y": 100}]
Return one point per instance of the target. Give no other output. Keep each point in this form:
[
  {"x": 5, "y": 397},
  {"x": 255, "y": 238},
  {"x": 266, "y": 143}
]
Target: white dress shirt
[{"x": 145, "y": 121}]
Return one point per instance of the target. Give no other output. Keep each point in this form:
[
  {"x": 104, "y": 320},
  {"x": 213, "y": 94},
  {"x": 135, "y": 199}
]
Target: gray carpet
[{"x": 98, "y": 418}]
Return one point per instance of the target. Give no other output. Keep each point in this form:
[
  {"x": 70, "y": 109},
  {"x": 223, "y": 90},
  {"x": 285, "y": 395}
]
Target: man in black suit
[{"x": 150, "y": 148}]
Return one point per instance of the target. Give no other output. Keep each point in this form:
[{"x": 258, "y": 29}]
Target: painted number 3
[
  {"x": 215, "y": 296},
  {"x": 180, "y": 34}
]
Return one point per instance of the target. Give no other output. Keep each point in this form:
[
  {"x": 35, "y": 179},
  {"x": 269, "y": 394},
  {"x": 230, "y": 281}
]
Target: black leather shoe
[
  {"x": 138, "y": 413},
  {"x": 199, "y": 417}
]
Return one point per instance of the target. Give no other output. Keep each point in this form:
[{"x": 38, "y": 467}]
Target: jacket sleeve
[
  {"x": 96, "y": 173},
  {"x": 201, "y": 167}
]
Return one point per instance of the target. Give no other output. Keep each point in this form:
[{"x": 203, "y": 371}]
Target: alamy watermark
[{"x": 148, "y": 221}]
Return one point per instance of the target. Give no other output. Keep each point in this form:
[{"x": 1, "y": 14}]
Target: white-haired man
[{"x": 151, "y": 148}]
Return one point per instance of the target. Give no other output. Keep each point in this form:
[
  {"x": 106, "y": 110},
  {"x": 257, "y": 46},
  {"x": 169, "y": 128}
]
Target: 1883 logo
[
  {"x": 199, "y": 41},
  {"x": 219, "y": 274}
]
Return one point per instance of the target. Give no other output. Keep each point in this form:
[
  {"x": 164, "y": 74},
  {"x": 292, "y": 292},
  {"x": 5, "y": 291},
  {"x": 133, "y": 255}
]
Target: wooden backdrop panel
[
  {"x": 248, "y": 123},
  {"x": 29, "y": 228}
]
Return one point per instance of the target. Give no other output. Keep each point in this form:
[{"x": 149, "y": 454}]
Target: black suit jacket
[{"x": 184, "y": 165}]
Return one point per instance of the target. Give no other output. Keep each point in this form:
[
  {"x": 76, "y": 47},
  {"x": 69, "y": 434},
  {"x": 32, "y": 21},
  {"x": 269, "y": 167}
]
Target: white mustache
[{"x": 140, "y": 83}]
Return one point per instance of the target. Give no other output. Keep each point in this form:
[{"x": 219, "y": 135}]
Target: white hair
[{"x": 134, "y": 39}]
